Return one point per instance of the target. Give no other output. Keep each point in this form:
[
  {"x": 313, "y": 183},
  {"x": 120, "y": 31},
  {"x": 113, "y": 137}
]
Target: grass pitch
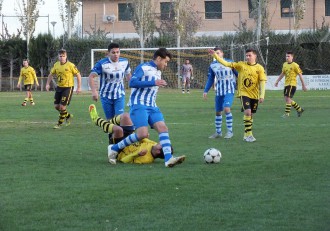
[{"x": 60, "y": 179}]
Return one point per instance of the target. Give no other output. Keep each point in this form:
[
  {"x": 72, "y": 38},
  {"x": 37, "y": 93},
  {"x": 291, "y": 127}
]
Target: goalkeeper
[{"x": 142, "y": 152}]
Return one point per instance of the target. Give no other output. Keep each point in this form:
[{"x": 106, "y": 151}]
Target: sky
[{"x": 49, "y": 8}]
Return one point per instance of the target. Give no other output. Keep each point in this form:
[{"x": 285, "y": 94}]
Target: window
[
  {"x": 252, "y": 8},
  {"x": 213, "y": 9},
  {"x": 327, "y": 7},
  {"x": 166, "y": 11},
  {"x": 286, "y": 9},
  {"x": 125, "y": 11}
]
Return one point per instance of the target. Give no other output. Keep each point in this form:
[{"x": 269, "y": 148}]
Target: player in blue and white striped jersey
[
  {"x": 144, "y": 86},
  {"x": 224, "y": 80},
  {"x": 112, "y": 71}
]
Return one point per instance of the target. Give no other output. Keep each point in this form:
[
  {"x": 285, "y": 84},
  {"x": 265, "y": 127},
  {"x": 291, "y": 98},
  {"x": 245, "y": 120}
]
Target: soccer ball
[{"x": 212, "y": 156}]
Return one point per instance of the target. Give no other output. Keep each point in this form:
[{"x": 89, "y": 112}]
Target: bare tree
[
  {"x": 68, "y": 12},
  {"x": 184, "y": 24},
  {"x": 298, "y": 8},
  {"x": 28, "y": 14},
  {"x": 1, "y": 1},
  {"x": 260, "y": 14},
  {"x": 143, "y": 19}
]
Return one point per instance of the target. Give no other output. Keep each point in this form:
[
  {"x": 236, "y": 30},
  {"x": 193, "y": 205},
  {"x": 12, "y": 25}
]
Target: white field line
[{"x": 180, "y": 124}]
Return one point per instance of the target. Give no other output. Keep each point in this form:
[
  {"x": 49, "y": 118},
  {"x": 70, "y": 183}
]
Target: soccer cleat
[
  {"x": 24, "y": 104},
  {"x": 112, "y": 155},
  {"x": 229, "y": 135},
  {"x": 68, "y": 120},
  {"x": 93, "y": 113},
  {"x": 215, "y": 135},
  {"x": 249, "y": 139},
  {"x": 174, "y": 161},
  {"x": 57, "y": 126},
  {"x": 32, "y": 103},
  {"x": 183, "y": 92},
  {"x": 299, "y": 113},
  {"x": 285, "y": 115}
]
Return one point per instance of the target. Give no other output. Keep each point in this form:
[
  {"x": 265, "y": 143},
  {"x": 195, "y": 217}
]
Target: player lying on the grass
[{"x": 142, "y": 152}]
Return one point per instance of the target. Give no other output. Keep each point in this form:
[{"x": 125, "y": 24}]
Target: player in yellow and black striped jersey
[
  {"x": 65, "y": 72},
  {"x": 142, "y": 152},
  {"x": 251, "y": 83},
  {"x": 28, "y": 75},
  {"x": 290, "y": 70}
]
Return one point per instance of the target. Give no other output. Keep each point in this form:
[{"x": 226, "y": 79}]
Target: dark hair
[
  {"x": 62, "y": 51},
  {"x": 217, "y": 48},
  {"x": 113, "y": 45},
  {"x": 163, "y": 53},
  {"x": 26, "y": 60},
  {"x": 289, "y": 53},
  {"x": 161, "y": 153},
  {"x": 251, "y": 50}
]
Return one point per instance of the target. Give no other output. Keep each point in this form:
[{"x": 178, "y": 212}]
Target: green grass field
[{"x": 61, "y": 180}]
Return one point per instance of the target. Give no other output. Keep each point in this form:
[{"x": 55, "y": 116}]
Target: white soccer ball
[{"x": 212, "y": 156}]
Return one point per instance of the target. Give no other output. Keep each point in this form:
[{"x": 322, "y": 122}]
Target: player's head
[
  {"x": 289, "y": 56},
  {"x": 114, "y": 51},
  {"x": 161, "y": 57},
  {"x": 187, "y": 61},
  {"x": 25, "y": 62},
  {"x": 251, "y": 56},
  {"x": 62, "y": 56},
  {"x": 157, "y": 151},
  {"x": 218, "y": 51}
]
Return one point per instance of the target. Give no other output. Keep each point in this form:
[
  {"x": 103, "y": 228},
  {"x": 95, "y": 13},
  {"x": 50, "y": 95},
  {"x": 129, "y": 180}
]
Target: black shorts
[
  {"x": 63, "y": 95},
  {"x": 248, "y": 103},
  {"x": 289, "y": 91},
  {"x": 28, "y": 87},
  {"x": 127, "y": 131}
]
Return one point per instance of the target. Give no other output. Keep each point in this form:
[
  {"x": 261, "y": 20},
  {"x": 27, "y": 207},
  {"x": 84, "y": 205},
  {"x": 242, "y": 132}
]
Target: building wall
[{"x": 233, "y": 12}]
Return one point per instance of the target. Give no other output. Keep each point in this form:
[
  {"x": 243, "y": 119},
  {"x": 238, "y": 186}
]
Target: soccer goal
[{"x": 198, "y": 56}]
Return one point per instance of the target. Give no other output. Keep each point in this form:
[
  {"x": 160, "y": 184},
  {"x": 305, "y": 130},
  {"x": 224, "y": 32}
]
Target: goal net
[{"x": 198, "y": 56}]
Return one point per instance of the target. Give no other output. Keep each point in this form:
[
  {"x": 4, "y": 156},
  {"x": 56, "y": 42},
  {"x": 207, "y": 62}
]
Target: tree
[
  {"x": 298, "y": 7},
  {"x": 42, "y": 49},
  {"x": 1, "y": 1},
  {"x": 68, "y": 12},
  {"x": 183, "y": 24},
  {"x": 97, "y": 33},
  {"x": 28, "y": 14},
  {"x": 143, "y": 19},
  {"x": 260, "y": 14}
]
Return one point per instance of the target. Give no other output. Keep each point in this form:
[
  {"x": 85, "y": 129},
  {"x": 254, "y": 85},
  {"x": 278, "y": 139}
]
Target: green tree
[{"x": 42, "y": 49}]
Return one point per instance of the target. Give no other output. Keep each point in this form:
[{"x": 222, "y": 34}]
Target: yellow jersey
[
  {"x": 130, "y": 154},
  {"x": 28, "y": 74},
  {"x": 65, "y": 73},
  {"x": 249, "y": 77},
  {"x": 290, "y": 71}
]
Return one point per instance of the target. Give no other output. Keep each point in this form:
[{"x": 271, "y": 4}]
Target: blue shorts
[
  {"x": 142, "y": 115},
  {"x": 223, "y": 101},
  {"x": 113, "y": 107}
]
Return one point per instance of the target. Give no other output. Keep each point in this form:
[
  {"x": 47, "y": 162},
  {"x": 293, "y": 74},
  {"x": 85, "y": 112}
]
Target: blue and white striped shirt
[
  {"x": 223, "y": 77},
  {"x": 143, "y": 85},
  {"x": 112, "y": 76}
]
